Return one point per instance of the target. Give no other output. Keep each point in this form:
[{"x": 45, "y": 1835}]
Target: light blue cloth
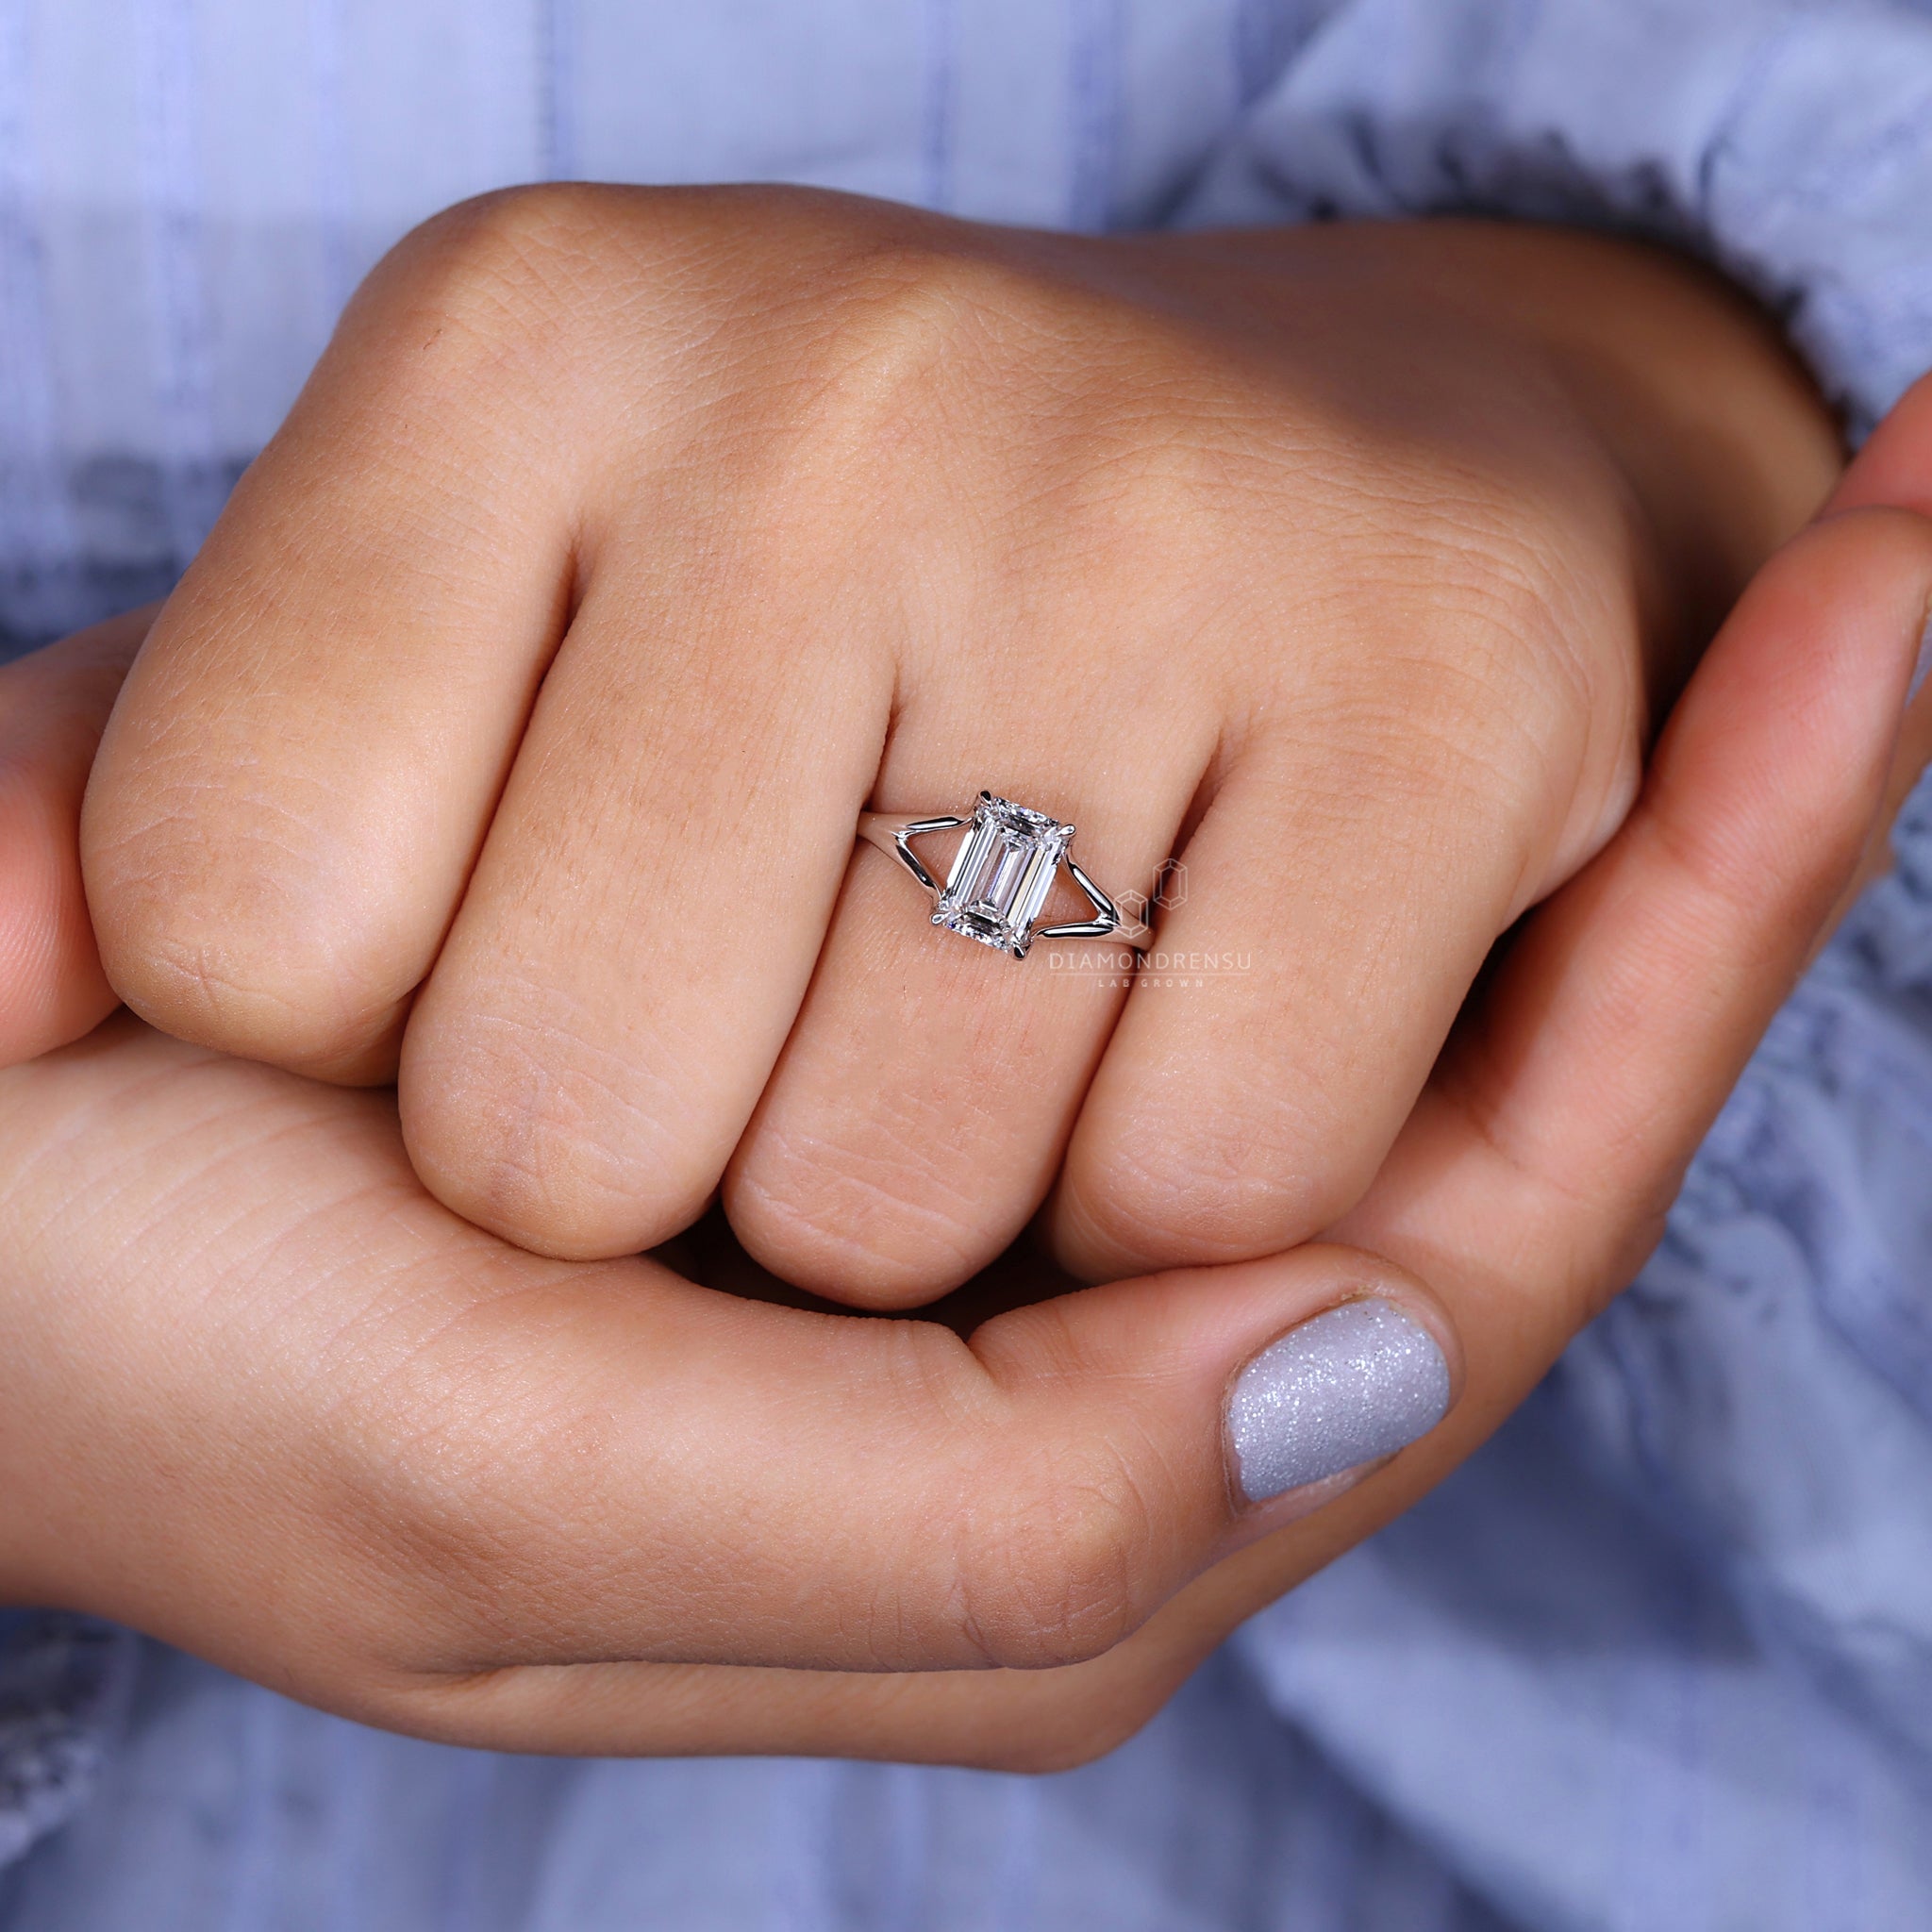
[{"x": 1660, "y": 1657}]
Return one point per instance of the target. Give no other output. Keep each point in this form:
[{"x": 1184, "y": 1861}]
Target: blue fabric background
[{"x": 1661, "y": 1656}]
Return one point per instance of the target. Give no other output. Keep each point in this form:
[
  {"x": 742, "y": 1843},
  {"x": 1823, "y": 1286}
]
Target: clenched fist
[{"x": 509, "y": 735}]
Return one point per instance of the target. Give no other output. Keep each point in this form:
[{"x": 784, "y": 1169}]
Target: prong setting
[{"x": 1000, "y": 876}]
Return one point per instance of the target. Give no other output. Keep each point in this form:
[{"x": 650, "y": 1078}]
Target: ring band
[{"x": 1000, "y": 878}]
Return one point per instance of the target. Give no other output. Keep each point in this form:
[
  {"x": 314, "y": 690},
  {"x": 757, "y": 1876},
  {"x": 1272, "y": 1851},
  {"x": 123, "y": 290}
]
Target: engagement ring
[{"x": 1000, "y": 876}]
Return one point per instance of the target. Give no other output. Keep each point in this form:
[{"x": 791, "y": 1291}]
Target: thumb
[
  {"x": 1894, "y": 471},
  {"x": 1558, "y": 1126},
  {"x": 52, "y": 707},
  {"x": 1535, "y": 1172}
]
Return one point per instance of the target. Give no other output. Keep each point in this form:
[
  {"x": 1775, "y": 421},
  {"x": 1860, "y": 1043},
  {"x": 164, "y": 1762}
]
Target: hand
[
  {"x": 453, "y": 1489},
  {"x": 509, "y": 733}
]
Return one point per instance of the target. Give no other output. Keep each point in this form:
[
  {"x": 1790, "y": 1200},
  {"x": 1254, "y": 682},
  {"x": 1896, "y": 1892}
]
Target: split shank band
[{"x": 1000, "y": 878}]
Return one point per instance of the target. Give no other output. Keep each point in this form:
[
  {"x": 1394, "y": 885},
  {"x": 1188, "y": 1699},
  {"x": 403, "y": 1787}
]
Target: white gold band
[{"x": 1001, "y": 875}]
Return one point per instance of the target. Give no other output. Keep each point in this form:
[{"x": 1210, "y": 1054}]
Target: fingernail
[{"x": 1344, "y": 1388}]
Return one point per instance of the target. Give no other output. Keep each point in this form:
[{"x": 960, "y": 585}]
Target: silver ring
[{"x": 1000, "y": 876}]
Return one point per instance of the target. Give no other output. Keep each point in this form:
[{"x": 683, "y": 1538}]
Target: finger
[
  {"x": 53, "y": 706},
  {"x": 1339, "y": 898},
  {"x": 639, "y": 930},
  {"x": 296, "y": 780},
  {"x": 635, "y": 942},
  {"x": 917, "y": 1116},
  {"x": 1619, "y": 1023},
  {"x": 1533, "y": 1177},
  {"x": 1893, "y": 470},
  {"x": 459, "y": 1456},
  {"x": 918, "y": 1110},
  {"x": 1030, "y": 1717},
  {"x": 1359, "y": 871},
  {"x": 1239, "y": 1164}
]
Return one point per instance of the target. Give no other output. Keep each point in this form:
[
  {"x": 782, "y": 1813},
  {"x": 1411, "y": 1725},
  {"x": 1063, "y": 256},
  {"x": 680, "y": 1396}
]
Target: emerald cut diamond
[{"x": 1002, "y": 875}]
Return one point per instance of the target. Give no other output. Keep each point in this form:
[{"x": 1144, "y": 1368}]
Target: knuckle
[
  {"x": 872, "y": 376},
  {"x": 511, "y": 305},
  {"x": 1024, "y": 376},
  {"x": 1205, "y": 1184},
  {"x": 206, "y": 916},
  {"x": 1532, "y": 604},
  {"x": 1514, "y": 547},
  {"x": 514, "y": 256},
  {"x": 872, "y": 1212},
  {"x": 907, "y": 301},
  {"x": 1061, "y": 1573},
  {"x": 521, "y": 1123}
]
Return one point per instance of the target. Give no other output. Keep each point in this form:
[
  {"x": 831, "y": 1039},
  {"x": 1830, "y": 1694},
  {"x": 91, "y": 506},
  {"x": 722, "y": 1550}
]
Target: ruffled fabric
[
  {"x": 1767, "y": 1383},
  {"x": 1786, "y": 142},
  {"x": 62, "y": 1679}
]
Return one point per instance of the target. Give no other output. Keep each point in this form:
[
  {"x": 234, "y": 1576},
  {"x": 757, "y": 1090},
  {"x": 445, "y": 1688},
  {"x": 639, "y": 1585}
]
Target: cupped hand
[
  {"x": 510, "y": 732},
  {"x": 265, "y": 1396}
]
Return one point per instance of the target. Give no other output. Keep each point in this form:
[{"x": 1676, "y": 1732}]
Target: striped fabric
[
  {"x": 1661, "y": 1658},
  {"x": 190, "y": 189}
]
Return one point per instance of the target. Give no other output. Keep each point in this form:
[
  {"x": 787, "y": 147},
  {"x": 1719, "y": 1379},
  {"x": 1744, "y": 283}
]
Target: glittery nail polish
[{"x": 1345, "y": 1388}]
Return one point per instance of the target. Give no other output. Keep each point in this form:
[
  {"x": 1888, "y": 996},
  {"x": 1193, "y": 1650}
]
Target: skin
[
  {"x": 507, "y": 737},
  {"x": 269, "y": 1397},
  {"x": 266, "y": 1397}
]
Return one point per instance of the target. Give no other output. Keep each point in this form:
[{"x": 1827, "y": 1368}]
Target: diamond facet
[{"x": 1002, "y": 875}]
